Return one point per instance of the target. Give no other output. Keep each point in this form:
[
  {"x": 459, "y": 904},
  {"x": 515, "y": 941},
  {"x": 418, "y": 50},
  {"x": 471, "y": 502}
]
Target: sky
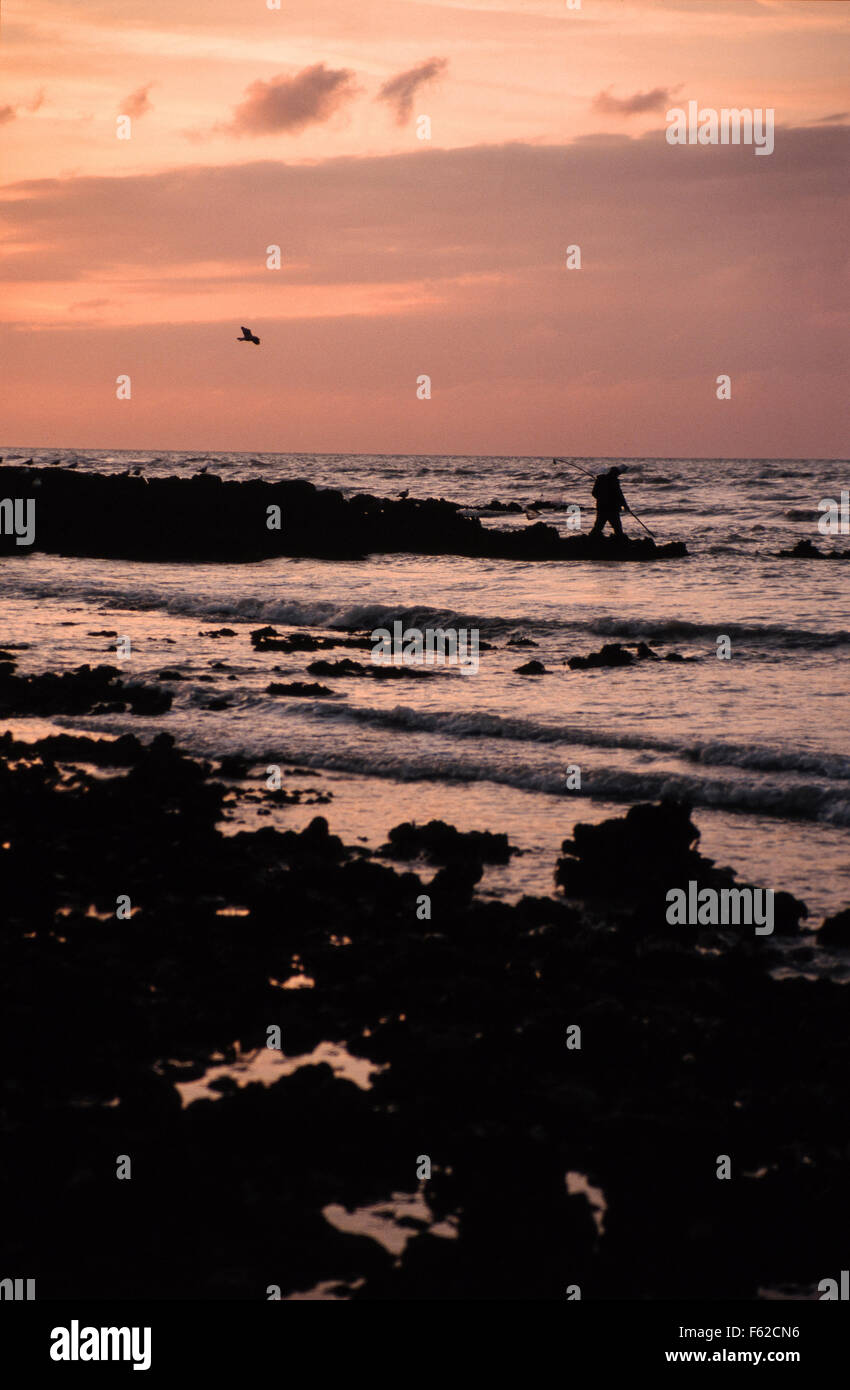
[{"x": 400, "y": 256}]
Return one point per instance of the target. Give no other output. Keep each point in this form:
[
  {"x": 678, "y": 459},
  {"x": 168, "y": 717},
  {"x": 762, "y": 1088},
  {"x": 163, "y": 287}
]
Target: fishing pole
[
  {"x": 640, "y": 523},
  {"x": 570, "y": 464}
]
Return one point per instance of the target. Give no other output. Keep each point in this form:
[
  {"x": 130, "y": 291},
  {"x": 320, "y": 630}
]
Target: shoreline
[
  {"x": 168, "y": 906},
  {"x": 463, "y": 1007}
]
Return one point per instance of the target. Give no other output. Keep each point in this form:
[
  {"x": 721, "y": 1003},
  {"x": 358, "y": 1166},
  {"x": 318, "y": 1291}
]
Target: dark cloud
[
  {"x": 291, "y": 103},
  {"x": 7, "y": 113},
  {"x": 636, "y": 105},
  {"x": 399, "y": 91},
  {"x": 396, "y": 218},
  {"x": 137, "y": 103}
]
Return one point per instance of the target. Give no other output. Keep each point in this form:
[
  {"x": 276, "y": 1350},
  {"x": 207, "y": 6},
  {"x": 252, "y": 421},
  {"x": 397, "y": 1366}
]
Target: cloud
[
  {"x": 636, "y": 105},
  {"x": 395, "y": 217},
  {"x": 399, "y": 91},
  {"x": 9, "y": 113},
  {"x": 137, "y": 103},
  {"x": 835, "y": 119},
  {"x": 291, "y": 103},
  {"x": 397, "y": 260}
]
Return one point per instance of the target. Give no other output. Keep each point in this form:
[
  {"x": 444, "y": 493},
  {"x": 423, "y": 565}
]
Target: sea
[{"x": 756, "y": 740}]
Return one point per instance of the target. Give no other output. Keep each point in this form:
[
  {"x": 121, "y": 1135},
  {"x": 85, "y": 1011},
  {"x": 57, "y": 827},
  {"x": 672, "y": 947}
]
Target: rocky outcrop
[{"x": 207, "y": 518}]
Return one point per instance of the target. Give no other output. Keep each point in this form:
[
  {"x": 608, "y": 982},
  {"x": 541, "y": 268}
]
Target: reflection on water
[
  {"x": 267, "y": 1066},
  {"x": 392, "y": 1223}
]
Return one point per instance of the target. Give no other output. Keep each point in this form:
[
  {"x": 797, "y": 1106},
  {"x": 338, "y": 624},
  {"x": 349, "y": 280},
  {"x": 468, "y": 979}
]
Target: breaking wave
[{"x": 298, "y": 612}]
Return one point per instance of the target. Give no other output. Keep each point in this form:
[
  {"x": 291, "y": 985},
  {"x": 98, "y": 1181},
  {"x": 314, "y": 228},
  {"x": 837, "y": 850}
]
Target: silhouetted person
[{"x": 609, "y": 502}]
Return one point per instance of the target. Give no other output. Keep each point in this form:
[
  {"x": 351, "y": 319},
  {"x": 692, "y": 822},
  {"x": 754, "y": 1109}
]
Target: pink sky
[{"x": 403, "y": 256}]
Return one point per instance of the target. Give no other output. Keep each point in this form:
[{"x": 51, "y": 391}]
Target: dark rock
[
  {"x": 346, "y": 667},
  {"x": 266, "y": 639},
  {"x": 103, "y": 752},
  {"x": 440, "y": 843},
  {"x": 78, "y": 692},
  {"x": 456, "y": 882},
  {"x": 234, "y": 766},
  {"x": 612, "y": 654},
  {"x": 637, "y": 859},
  {"x": 303, "y": 688},
  {"x": 298, "y": 796},
  {"x": 496, "y": 506},
  {"x": 645, "y": 652},
  {"x": 203, "y": 518},
  {"x": 619, "y": 654},
  {"x": 807, "y": 550},
  {"x": 835, "y": 930},
  {"x": 531, "y": 668}
]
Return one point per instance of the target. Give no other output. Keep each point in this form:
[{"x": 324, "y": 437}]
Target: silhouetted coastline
[
  {"x": 685, "y": 1054},
  {"x": 206, "y": 518}
]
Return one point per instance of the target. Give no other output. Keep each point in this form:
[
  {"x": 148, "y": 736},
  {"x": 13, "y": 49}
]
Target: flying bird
[{"x": 248, "y": 336}]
